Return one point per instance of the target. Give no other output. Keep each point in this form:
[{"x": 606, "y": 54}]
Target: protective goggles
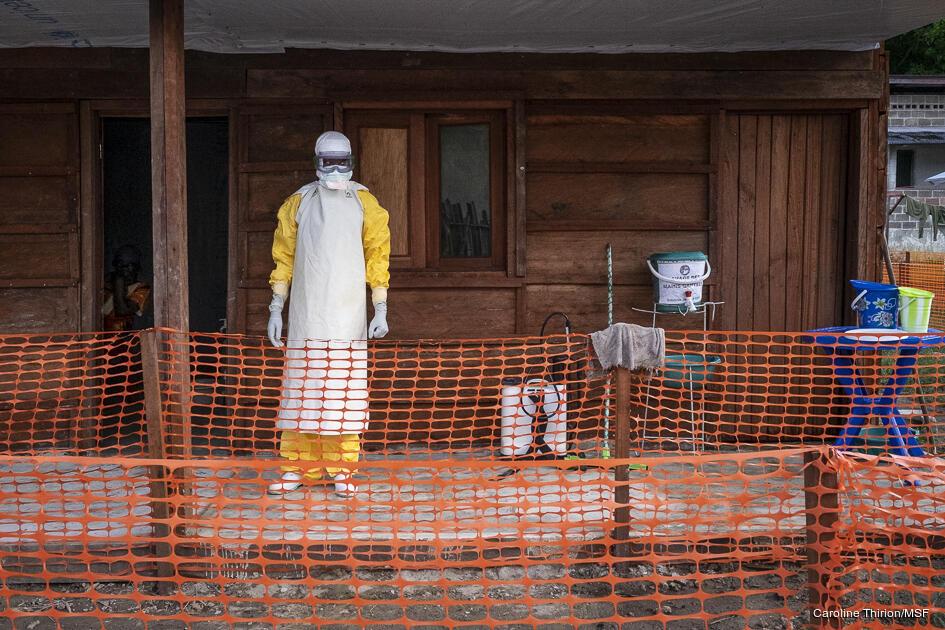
[{"x": 334, "y": 164}]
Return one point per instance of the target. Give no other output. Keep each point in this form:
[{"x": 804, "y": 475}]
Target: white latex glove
[
  {"x": 378, "y": 327},
  {"x": 274, "y": 329}
]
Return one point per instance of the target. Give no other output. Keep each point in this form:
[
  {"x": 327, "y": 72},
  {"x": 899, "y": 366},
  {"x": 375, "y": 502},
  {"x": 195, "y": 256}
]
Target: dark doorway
[
  {"x": 126, "y": 193},
  {"x": 207, "y": 217}
]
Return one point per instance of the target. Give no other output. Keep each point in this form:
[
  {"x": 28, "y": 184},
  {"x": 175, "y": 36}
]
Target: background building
[{"x": 916, "y": 152}]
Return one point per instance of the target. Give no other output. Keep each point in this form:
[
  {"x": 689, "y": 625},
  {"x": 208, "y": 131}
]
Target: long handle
[
  {"x": 708, "y": 270},
  {"x": 610, "y": 285},
  {"x": 906, "y": 302},
  {"x": 857, "y": 299},
  {"x": 890, "y": 271}
]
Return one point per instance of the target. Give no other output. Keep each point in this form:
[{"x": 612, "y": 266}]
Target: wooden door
[
  {"x": 784, "y": 214},
  {"x": 276, "y": 147},
  {"x": 39, "y": 238}
]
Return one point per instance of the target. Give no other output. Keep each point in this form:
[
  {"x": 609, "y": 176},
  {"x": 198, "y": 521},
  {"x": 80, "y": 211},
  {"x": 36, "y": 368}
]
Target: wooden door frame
[{"x": 92, "y": 212}]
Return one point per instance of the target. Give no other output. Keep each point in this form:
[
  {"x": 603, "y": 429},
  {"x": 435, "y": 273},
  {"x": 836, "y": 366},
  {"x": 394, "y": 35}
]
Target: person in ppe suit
[{"x": 332, "y": 237}]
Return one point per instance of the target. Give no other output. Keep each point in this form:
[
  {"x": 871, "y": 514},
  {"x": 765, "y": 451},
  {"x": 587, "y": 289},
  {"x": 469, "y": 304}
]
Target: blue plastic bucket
[{"x": 876, "y": 304}]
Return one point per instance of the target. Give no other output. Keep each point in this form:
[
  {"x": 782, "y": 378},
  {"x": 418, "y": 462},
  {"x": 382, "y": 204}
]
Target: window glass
[
  {"x": 465, "y": 212},
  {"x": 904, "y": 163}
]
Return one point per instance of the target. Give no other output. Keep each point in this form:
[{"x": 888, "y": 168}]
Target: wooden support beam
[
  {"x": 169, "y": 208},
  {"x": 168, "y": 164},
  {"x": 622, "y": 412},
  {"x": 622, "y": 453},
  {"x": 823, "y": 511},
  {"x": 153, "y": 407},
  {"x": 157, "y": 449}
]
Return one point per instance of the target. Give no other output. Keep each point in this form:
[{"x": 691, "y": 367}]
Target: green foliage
[{"x": 921, "y": 51}]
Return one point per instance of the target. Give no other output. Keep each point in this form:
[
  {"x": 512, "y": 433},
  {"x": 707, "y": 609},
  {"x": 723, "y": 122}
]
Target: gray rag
[{"x": 630, "y": 346}]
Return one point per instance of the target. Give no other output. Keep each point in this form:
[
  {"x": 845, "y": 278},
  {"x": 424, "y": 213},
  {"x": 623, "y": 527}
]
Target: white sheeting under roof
[{"x": 610, "y": 26}]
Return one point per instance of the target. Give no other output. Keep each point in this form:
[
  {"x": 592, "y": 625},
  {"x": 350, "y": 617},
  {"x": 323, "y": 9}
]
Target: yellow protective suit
[
  {"x": 295, "y": 446},
  {"x": 375, "y": 236},
  {"x": 327, "y": 245}
]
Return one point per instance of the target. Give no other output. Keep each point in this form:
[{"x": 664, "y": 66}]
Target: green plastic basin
[{"x": 688, "y": 370}]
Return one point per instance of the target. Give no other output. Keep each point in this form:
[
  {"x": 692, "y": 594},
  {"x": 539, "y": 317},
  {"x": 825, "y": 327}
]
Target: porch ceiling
[{"x": 610, "y": 26}]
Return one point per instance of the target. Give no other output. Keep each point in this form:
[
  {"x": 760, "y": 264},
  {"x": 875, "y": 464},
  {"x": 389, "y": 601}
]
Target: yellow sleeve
[
  {"x": 376, "y": 237},
  {"x": 283, "y": 245}
]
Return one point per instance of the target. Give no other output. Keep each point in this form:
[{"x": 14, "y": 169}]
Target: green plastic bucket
[
  {"x": 915, "y": 308},
  {"x": 674, "y": 275},
  {"x": 688, "y": 371}
]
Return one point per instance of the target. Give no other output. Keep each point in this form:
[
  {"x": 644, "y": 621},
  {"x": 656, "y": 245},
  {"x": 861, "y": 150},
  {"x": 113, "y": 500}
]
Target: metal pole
[
  {"x": 610, "y": 285},
  {"x": 605, "y": 452}
]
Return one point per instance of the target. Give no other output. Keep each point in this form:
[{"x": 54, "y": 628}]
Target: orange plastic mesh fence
[
  {"x": 927, "y": 273},
  {"x": 60, "y": 393},
  {"x": 220, "y": 395},
  {"x": 719, "y": 540},
  {"x": 772, "y": 389},
  {"x": 886, "y": 562},
  {"x": 135, "y": 474}
]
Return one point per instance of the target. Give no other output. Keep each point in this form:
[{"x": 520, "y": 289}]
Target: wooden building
[{"x": 772, "y": 162}]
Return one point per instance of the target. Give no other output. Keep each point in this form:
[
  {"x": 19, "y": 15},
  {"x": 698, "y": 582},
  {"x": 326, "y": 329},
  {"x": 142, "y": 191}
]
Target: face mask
[{"x": 334, "y": 181}]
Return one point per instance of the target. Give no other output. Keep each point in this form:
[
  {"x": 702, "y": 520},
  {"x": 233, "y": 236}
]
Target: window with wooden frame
[{"x": 441, "y": 174}]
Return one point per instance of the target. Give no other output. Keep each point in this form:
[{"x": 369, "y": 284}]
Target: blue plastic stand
[{"x": 905, "y": 347}]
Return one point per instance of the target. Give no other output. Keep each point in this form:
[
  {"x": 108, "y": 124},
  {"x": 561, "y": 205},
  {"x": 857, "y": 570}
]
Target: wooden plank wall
[
  {"x": 647, "y": 152},
  {"x": 642, "y": 183},
  {"x": 39, "y": 217},
  {"x": 275, "y": 146}
]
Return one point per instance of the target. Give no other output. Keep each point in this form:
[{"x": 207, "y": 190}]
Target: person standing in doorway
[
  {"x": 126, "y": 297},
  {"x": 332, "y": 238}
]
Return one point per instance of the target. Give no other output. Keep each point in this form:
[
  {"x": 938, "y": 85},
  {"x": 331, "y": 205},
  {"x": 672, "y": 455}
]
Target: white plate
[{"x": 873, "y": 335}]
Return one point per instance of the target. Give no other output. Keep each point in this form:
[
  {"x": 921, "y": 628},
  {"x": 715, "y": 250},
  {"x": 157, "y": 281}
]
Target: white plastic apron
[{"x": 325, "y": 385}]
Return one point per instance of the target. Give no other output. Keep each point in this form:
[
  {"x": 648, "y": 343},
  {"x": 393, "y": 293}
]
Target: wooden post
[
  {"x": 160, "y": 508},
  {"x": 622, "y": 421},
  {"x": 168, "y": 165},
  {"x": 169, "y": 224},
  {"x": 150, "y": 372},
  {"x": 169, "y": 203},
  {"x": 622, "y": 453},
  {"x": 823, "y": 504}
]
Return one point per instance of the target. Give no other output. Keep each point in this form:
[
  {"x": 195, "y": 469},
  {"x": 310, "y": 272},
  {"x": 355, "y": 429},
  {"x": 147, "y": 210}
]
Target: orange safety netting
[
  {"x": 134, "y": 470},
  {"x": 923, "y": 271},
  {"x": 885, "y": 554}
]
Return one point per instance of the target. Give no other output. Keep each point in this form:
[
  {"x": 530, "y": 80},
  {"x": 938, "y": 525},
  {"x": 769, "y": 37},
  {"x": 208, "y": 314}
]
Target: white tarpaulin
[{"x": 610, "y": 26}]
